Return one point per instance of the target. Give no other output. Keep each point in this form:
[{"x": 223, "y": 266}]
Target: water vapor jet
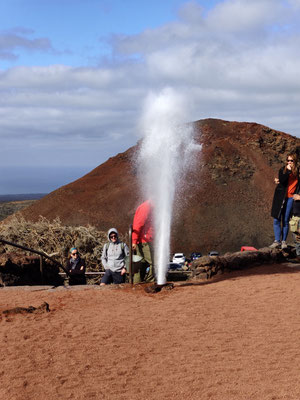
[{"x": 165, "y": 155}]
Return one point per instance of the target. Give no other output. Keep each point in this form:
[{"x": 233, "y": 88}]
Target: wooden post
[
  {"x": 130, "y": 256},
  {"x": 41, "y": 268}
]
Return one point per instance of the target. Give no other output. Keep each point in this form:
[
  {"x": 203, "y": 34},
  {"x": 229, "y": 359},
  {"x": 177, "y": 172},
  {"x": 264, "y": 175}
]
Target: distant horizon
[
  {"x": 16, "y": 180},
  {"x": 23, "y": 194},
  {"x": 20, "y": 196}
]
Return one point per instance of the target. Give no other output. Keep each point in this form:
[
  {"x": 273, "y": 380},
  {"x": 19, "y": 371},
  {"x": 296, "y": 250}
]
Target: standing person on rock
[
  {"x": 113, "y": 259},
  {"x": 142, "y": 238},
  {"x": 283, "y": 200}
]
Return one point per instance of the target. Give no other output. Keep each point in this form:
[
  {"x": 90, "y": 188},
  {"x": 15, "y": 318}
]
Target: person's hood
[{"x": 115, "y": 231}]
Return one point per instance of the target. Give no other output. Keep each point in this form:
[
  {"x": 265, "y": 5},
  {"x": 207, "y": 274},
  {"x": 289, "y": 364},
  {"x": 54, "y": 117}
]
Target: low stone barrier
[{"x": 206, "y": 267}]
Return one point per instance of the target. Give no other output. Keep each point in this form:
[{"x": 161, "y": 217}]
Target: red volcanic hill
[{"x": 226, "y": 199}]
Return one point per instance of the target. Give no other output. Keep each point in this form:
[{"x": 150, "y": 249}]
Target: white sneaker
[
  {"x": 275, "y": 245},
  {"x": 284, "y": 245}
]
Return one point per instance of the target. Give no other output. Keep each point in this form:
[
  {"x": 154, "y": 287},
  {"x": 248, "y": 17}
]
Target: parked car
[
  {"x": 195, "y": 255},
  {"x": 178, "y": 258},
  {"x": 174, "y": 266},
  {"x": 213, "y": 253}
]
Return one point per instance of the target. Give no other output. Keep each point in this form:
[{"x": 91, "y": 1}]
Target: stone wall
[{"x": 207, "y": 267}]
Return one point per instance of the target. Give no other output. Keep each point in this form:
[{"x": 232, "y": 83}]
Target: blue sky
[
  {"x": 75, "y": 73},
  {"x": 76, "y": 27},
  {"x": 77, "y": 32}
]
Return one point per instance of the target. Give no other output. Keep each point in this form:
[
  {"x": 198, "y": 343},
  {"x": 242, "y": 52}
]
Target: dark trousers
[
  {"x": 113, "y": 277},
  {"x": 77, "y": 280}
]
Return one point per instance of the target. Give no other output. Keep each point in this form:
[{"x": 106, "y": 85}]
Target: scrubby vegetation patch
[{"x": 54, "y": 238}]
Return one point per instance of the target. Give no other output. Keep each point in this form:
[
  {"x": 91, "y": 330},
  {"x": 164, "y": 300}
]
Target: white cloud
[
  {"x": 241, "y": 16},
  {"x": 238, "y": 61},
  {"x": 12, "y": 41}
]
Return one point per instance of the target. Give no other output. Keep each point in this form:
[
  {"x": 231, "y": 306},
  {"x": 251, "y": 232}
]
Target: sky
[{"x": 74, "y": 75}]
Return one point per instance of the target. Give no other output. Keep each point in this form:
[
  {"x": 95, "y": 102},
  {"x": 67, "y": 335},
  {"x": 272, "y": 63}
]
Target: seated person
[
  {"x": 113, "y": 258},
  {"x": 76, "y": 268}
]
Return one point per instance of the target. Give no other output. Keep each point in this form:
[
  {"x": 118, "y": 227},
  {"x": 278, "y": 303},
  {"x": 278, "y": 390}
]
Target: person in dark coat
[
  {"x": 287, "y": 182},
  {"x": 76, "y": 268}
]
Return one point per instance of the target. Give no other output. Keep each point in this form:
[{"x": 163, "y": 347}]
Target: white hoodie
[{"x": 113, "y": 254}]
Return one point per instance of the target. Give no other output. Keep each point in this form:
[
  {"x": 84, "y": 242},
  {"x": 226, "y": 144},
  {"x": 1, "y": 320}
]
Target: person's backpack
[{"x": 294, "y": 223}]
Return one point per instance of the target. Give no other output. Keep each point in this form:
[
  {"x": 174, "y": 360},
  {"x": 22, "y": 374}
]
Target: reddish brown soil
[{"x": 237, "y": 338}]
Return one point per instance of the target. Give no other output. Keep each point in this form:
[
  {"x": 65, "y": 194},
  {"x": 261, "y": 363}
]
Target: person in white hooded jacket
[{"x": 113, "y": 258}]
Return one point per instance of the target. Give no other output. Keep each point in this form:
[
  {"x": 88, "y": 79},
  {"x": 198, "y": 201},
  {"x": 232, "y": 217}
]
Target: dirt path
[{"x": 235, "y": 339}]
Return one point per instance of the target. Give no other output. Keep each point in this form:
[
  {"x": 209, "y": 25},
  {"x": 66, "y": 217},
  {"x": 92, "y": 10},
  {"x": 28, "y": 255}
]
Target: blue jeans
[{"x": 284, "y": 217}]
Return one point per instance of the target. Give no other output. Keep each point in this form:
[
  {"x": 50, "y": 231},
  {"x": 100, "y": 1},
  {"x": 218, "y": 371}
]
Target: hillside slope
[{"x": 224, "y": 202}]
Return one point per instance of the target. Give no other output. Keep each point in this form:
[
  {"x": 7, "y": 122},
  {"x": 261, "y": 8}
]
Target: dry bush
[{"x": 55, "y": 239}]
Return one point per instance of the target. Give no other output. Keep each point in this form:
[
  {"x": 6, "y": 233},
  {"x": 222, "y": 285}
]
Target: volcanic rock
[
  {"x": 224, "y": 203},
  {"x": 206, "y": 267},
  {"x": 44, "y": 307}
]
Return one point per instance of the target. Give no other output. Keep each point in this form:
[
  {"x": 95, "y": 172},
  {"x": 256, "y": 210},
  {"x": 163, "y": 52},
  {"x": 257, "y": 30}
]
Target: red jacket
[{"x": 142, "y": 229}]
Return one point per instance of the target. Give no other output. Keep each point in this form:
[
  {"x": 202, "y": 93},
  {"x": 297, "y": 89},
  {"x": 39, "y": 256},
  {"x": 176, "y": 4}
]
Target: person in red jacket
[{"x": 142, "y": 237}]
